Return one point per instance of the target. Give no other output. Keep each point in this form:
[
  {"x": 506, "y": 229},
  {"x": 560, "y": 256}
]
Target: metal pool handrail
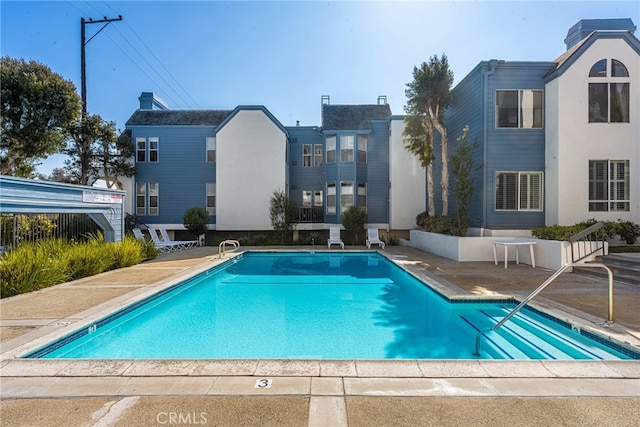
[
  {"x": 540, "y": 288},
  {"x": 222, "y": 247}
]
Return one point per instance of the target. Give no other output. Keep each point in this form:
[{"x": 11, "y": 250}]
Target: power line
[{"x": 157, "y": 59}]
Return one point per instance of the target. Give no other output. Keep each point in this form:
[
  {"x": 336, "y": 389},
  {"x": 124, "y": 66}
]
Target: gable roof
[
  {"x": 262, "y": 108},
  {"x": 353, "y": 117},
  {"x": 177, "y": 117},
  {"x": 564, "y": 61}
]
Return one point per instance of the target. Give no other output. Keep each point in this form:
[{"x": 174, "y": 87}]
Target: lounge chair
[
  {"x": 163, "y": 246},
  {"x": 186, "y": 244},
  {"x": 137, "y": 233},
  {"x": 334, "y": 237},
  {"x": 373, "y": 238}
]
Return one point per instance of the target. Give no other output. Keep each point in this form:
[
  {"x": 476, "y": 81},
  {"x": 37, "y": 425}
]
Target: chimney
[{"x": 382, "y": 100}]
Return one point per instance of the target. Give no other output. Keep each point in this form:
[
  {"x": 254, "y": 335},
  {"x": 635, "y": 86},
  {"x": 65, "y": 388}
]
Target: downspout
[{"x": 485, "y": 152}]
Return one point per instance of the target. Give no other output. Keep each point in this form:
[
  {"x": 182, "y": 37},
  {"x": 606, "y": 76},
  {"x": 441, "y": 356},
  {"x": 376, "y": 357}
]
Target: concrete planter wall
[{"x": 551, "y": 254}]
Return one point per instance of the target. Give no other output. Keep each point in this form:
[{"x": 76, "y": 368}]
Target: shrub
[
  {"x": 628, "y": 231},
  {"x": 30, "y": 267},
  {"x": 442, "y": 224},
  {"x": 353, "y": 220},
  {"x": 195, "y": 220}
]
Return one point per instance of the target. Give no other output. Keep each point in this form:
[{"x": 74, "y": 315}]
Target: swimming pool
[{"x": 323, "y": 305}]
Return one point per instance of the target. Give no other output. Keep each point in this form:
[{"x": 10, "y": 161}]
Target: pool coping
[{"x": 360, "y": 377}]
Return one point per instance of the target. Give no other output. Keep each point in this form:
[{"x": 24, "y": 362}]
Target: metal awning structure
[{"x": 27, "y": 196}]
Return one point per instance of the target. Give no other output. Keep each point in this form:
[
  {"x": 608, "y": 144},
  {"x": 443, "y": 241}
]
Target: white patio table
[{"x": 516, "y": 243}]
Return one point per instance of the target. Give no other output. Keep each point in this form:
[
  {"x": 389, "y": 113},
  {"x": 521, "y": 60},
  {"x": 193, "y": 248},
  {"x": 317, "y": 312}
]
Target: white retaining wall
[{"x": 551, "y": 254}]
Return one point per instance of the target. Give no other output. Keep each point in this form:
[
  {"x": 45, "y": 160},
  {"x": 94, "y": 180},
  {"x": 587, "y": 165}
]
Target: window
[
  {"x": 346, "y": 195},
  {"x": 141, "y": 149},
  {"x": 609, "y": 100},
  {"x": 211, "y": 149},
  {"x": 318, "y": 154},
  {"x": 154, "y": 191},
  {"x": 306, "y": 198},
  {"x": 346, "y": 148},
  {"x": 211, "y": 198},
  {"x": 153, "y": 149},
  {"x": 519, "y": 191},
  {"x": 141, "y": 198},
  {"x": 317, "y": 198},
  {"x": 609, "y": 185},
  {"x": 519, "y": 109},
  {"x": 331, "y": 149},
  {"x": 331, "y": 198},
  {"x": 362, "y": 148},
  {"x": 306, "y": 155},
  {"x": 362, "y": 194}
]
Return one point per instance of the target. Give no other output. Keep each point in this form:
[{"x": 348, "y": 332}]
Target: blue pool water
[{"x": 322, "y": 306}]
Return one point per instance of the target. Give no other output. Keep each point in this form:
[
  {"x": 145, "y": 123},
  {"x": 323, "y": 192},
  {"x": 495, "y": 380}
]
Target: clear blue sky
[{"x": 283, "y": 55}]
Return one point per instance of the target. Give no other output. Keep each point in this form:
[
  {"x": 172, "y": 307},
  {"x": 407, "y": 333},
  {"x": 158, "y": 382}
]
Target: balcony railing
[{"x": 307, "y": 215}]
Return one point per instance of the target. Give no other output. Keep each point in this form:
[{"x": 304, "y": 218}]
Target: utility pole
[{"x": 83, "y": 66}]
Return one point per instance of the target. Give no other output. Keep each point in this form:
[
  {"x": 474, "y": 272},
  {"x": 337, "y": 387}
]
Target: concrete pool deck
[{"x": 312, "y": 392}]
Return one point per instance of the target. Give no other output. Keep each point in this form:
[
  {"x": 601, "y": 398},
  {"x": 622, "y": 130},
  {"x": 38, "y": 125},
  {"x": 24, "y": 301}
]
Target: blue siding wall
[
  {"x": 500, "y": 149},
  {"x": 378, "y": 173},
  {"x": 466, "y": 109},
  {"x": 513, "y": 150},
  {"x": 302, "y": 177},
  {"x": 181, "y": 171}
]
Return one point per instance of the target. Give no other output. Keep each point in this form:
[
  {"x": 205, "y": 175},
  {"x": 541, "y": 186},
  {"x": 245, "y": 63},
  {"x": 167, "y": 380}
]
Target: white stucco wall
[
  {"x": 250, "y": 166},
  {"x": 572, "y": 141},
  {"x": 408, "y": 192}
]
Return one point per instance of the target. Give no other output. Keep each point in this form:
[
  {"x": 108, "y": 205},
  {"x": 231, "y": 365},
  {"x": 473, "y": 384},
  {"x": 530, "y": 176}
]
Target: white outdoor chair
[
  {"x": 137, "y": 233},
  {"x": 186, "y": 244},
  {"x": 163, "y": 246},
  {"x": 373, "y": 238},
  {"x": 334, "y": 236}
]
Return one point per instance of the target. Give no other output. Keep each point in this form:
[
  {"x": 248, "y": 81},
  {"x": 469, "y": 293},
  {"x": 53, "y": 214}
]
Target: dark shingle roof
[
  {"x": 178, "y": 117},
  {"x": 353, "y": 117}
]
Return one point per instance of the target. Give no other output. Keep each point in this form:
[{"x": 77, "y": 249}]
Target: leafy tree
[
  {"x": 283, "y": 214},
  {"x": 353, "y": 220},
  {"x": 57, "y": 175},
  {"x": 428, "y": 95},
  {"x": 464, "y": 166},
  {"x": 96, "y": 152},
  {"x": 37, "y": 108},
  {"x": 195, "y": 220}
]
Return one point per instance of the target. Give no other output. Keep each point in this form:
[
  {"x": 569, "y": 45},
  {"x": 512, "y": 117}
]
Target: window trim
[
  {"x": 362, "y": 158},
  {"x": 307, "y": 157},
  {"x": 614, "y": 84},
  {"x": 519, "y": 175},
  {"x": 317, "y": 154},
  {"x": 344, "y": 152},
  {"x": 210, "y": 147},
  {"x": 141, "y": 195},
  {"x": 344, "y": 205},
  {"x": 330, "y": 147},
  {"x": 520, "y": 110},
  {"x": 361, "y": 185},
  {"x": 154, "y": 194},
  {"x": 328, "y": 205},
  {"x": 609, "y": 186},
  {"x": 210, "y": 192},
  {"x": 142, "y": 150},
  {"x": 156, "y": 140}
]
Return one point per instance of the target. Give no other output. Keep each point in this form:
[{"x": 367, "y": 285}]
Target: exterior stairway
[{"x": 625, "y": 267}]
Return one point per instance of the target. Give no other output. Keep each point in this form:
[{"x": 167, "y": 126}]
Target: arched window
[{"x": 609, "y": 99}]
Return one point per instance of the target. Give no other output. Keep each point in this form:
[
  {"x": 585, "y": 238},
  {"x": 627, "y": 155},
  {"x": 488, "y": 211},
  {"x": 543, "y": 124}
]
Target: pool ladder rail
[
  {"x": 546, "y": 283},
  {"x": 222, "y": 247}
]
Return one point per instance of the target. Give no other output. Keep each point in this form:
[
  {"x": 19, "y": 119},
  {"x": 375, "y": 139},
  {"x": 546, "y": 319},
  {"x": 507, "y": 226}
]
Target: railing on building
[
  {"x": 306, "y": 215},
  {"x": 19, "y": 228}
]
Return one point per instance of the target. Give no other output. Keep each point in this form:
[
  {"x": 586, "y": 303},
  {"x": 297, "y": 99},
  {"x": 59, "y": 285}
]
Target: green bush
[
  {"x": 30, "y": 267},
  {"x": 45, "y": 263},
  {"x": 195, "y": 220},
  {"x": 627, "y": 230},
  {"x": 442, "y": 224},
  {"x": 353, "y": 220}
]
